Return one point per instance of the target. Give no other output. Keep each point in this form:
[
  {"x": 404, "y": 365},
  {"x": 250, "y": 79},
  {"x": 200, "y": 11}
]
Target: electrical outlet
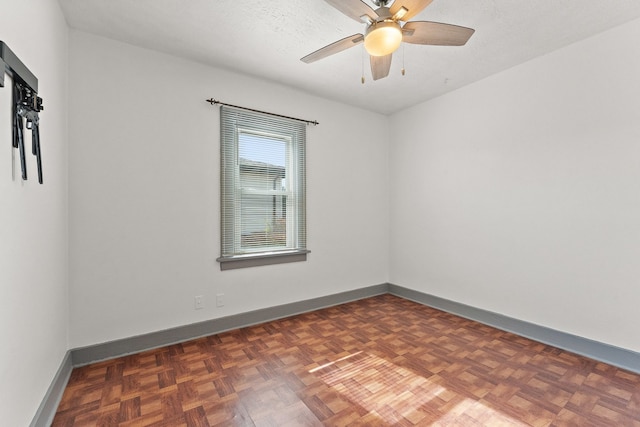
[
  {"x": 199, "y": 302},
  {"x": 220, "y": 300}
]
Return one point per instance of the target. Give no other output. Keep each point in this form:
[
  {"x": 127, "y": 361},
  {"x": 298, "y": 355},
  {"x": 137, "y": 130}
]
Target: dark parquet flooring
[{"x": 381, "y": 361}]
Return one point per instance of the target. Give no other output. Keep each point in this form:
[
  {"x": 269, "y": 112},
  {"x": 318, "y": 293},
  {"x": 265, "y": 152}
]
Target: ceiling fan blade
[
  {"x": 333, "y": 48},
  {"x": 435, "y": 33},
  {"x": 413, "y": 7},
  {"x": 353, "y": 8},
  {"x": 380, "y": 66}
]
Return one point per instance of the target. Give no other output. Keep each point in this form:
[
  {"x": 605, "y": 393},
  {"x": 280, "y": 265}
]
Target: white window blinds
[{"x": 262, "y": 184}]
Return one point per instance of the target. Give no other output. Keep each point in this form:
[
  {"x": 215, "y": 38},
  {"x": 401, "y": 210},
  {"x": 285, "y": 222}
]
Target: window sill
[{"x": 263, "y": 258}]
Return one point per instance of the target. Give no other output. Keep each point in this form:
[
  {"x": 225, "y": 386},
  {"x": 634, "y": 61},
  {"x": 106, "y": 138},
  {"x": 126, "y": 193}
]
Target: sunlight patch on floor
[{"x": 392, "y": 393}]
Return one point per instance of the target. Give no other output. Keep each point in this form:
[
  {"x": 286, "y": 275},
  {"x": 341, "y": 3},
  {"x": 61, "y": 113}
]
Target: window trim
[
  {"x": 241, "y": 191},
  {"x": 262, "y": 258}
]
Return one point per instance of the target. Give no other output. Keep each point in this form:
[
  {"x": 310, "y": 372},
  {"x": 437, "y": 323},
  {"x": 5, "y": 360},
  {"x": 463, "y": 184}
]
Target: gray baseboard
[
  {"x": 606, "y": 353},
  {"x": 122, "y": 347},
  {"x": 47, "y": 410}
]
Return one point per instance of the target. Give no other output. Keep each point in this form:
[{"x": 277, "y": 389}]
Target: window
[{"x": 262, "y": 189}]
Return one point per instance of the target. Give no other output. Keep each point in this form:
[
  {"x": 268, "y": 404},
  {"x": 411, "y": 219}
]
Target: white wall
[
  {"x": 33, "y": 218},
  {"x": 144, "y": 194},
  {"x": 520, "y": 194}
]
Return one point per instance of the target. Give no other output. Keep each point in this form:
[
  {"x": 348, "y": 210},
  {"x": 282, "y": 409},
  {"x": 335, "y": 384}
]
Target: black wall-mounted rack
[{"x": 26, "y": 105}]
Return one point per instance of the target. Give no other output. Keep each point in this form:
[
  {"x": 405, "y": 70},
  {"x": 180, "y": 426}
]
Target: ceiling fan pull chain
[
  {"x": 362, "y": 63},
  {"x": 402, "y": 71}
]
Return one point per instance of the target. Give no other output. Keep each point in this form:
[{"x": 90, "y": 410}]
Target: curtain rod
[{"x": 309, "y": 122}]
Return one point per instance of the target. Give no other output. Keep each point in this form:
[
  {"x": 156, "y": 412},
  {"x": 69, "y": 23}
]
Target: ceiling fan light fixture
[{"x": 383, "y": 38}]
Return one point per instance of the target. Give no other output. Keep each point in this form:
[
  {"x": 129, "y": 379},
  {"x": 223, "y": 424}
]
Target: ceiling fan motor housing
[{"x": 383, "y": 13}]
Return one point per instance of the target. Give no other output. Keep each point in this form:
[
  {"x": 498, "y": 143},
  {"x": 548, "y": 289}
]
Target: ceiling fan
[{"x": 385, "y": 31}]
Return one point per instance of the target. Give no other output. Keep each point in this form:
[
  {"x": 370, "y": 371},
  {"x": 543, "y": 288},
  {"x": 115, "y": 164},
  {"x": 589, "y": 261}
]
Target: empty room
[{"x": 321, "y": 212}]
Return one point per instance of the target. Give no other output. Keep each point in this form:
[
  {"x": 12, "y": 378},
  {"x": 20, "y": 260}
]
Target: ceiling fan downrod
[{"x": 381, "y": 3}]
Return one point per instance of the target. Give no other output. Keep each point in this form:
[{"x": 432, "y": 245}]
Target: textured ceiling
[{"x": 268, "y": 38}]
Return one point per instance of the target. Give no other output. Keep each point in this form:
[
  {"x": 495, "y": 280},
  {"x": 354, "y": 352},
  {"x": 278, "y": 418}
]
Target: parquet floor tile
[{"x": 381, "y": 361}]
